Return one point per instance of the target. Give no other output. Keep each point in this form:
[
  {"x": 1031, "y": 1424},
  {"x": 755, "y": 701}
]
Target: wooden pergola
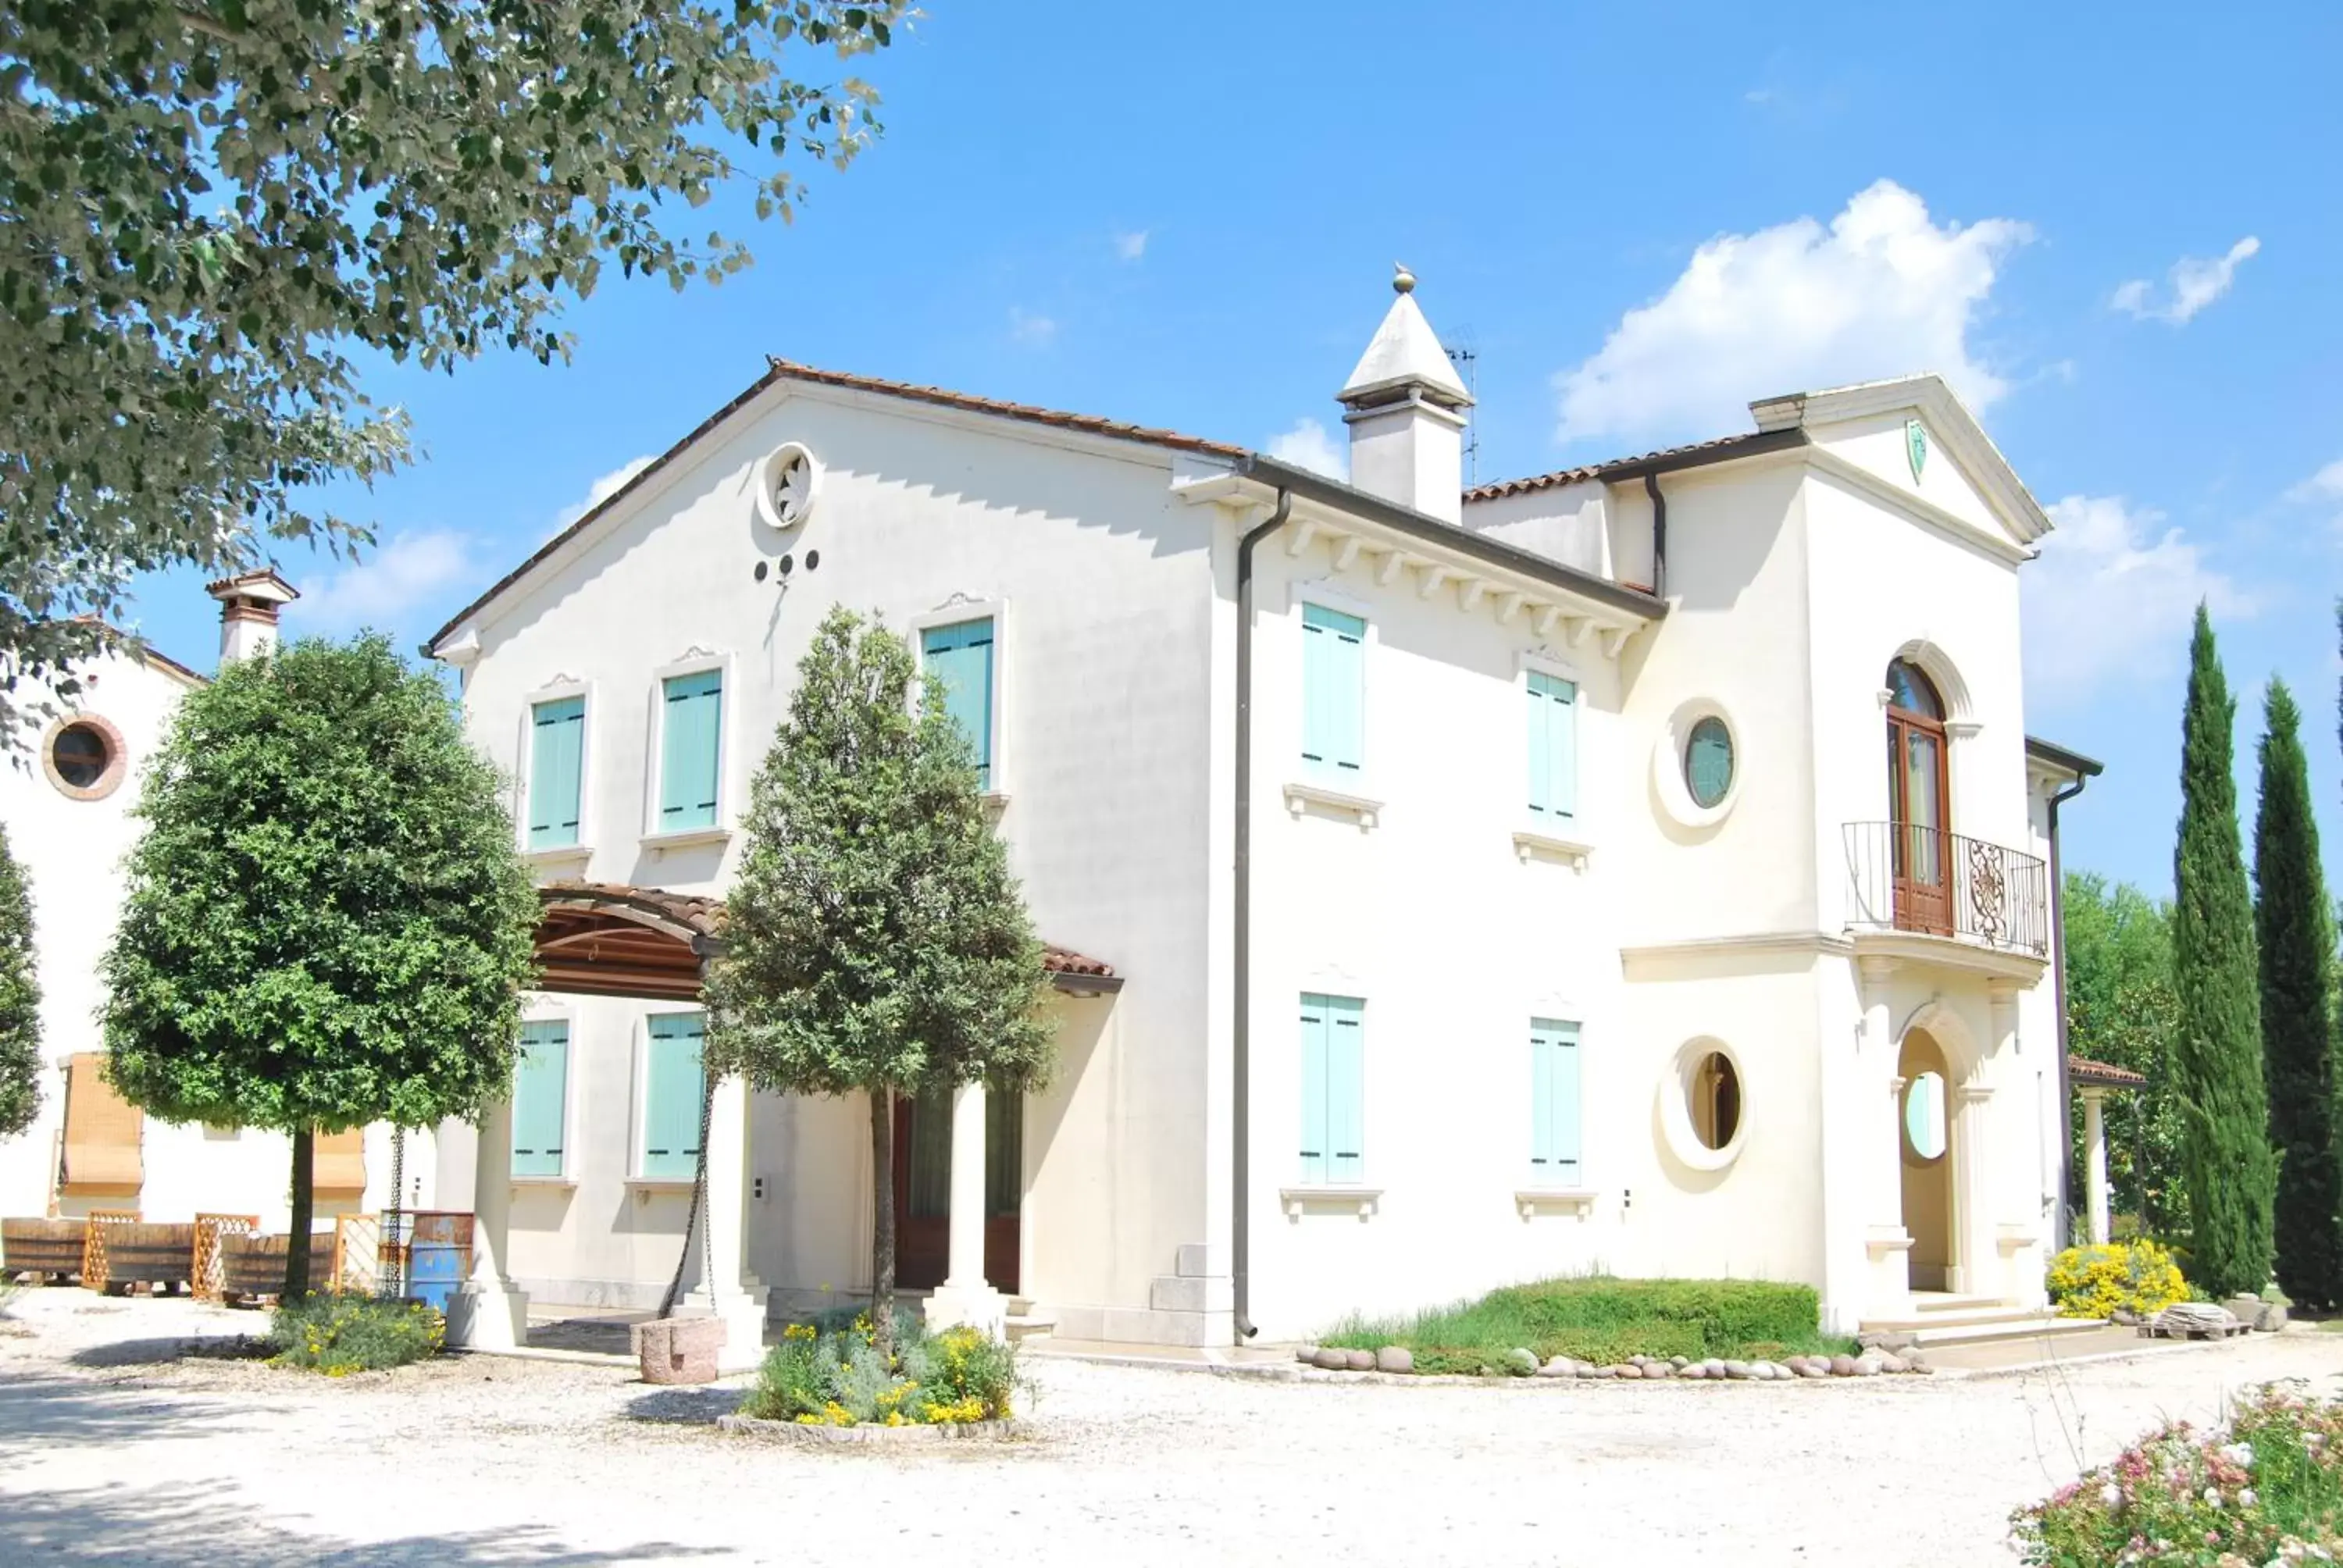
[{"x": 611, "y": 939}]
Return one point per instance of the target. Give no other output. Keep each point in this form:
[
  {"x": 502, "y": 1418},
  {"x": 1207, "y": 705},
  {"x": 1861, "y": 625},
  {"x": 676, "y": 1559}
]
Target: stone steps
[
  {"x": 1029, "y": 1320},
  {"x": 1981, "y": 1326}
]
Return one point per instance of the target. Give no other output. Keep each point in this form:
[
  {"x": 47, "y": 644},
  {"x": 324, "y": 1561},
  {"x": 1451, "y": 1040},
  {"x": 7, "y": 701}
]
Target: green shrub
[
  {"x": 838, "y": 1378},
  {"x": 2097, "y": 1281},
  {"x": 1603, "y": 1320},
  {"x": 2268, "y": 1489},
  {"x": 340, "y": 1334}
]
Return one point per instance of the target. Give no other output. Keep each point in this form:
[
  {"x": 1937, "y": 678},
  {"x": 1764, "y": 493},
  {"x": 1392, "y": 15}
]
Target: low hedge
[{"x": 1603, "y": 1320}]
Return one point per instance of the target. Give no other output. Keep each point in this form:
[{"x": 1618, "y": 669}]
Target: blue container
[{"x": 439, "y": 1256}]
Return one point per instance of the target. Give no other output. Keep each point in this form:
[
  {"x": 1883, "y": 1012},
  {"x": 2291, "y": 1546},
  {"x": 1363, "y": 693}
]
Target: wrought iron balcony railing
[{"x": 1907, "y": 876}]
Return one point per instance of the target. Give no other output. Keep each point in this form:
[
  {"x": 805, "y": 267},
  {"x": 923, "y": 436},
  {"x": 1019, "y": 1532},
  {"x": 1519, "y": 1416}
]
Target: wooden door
[
  {"x": 924, "y": 1190},
  {"x": 1920, "y": 831}
]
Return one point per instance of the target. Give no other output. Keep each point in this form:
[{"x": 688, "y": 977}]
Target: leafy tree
[
  {"x": 326, "y": 923},
  {"x": 2121, "y": 1009},
  {"x": 20, "y": 1000},
  {"x": 2227, "y": 1164},
  {"x": 214, "y": 205},
  {"x": 2296, "y": 948},
  {"x": 875, "y": 941}
]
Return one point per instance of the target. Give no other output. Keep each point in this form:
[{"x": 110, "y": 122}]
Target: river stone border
[
  {"x": 1520, "y": 1363},
  {"x": 824, "y": 1435}
]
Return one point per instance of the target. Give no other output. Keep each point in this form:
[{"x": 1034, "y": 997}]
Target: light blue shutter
[
  {"x": 693, "y": 741},
  {"x": 1555, "y": 1115},
  {"x": 958, "y": 661},
  {"x": 1314, "y": 1089},
  {"x": 1554, "y": 746},
  {"x": 1346, "y": 1090},
  {"x": 540, "y": 1090},
  {"x": 672, "y": 1095},
  {"x": 556, "y": 751},
  {"x": 1333, "y": 690}
]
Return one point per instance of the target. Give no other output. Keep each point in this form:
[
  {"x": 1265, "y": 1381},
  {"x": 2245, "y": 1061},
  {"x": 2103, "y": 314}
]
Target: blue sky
[{"x": 2120, "y": 242}]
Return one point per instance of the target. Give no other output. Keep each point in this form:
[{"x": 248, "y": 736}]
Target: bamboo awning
[{"x": 337, "y": 1161}]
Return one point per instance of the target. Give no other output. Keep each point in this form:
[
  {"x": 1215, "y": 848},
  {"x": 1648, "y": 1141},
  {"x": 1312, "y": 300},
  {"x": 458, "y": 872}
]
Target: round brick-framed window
[{"x": 84, "y": 756}]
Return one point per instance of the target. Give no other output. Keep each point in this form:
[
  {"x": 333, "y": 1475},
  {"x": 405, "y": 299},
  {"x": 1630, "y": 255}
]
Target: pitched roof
[
  {"x": 1404, "y": 352},
  {"x": 1089, "y": 424},
  {"x": 1748, "y": 443},
  {"x": 2057, "y": 756},
  {"x": 2103, "y": 1074},
  {"x": 778, "y": 369}
]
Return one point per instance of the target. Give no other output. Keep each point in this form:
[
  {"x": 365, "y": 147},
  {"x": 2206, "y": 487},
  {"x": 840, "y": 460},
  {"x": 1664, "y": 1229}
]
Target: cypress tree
[
  {"x": 2297, "y": 944},
  {"x": 2230, "y": 1172},
  {"x": 20, "y": 1000}
]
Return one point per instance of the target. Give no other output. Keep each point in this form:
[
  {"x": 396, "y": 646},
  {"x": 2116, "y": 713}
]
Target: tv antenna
[{"x": 1467, "y": 360}]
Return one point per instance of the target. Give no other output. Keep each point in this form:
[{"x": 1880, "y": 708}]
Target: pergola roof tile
[
  {"x": 613, "y": 939},
  {"x": 2103, "y": 1074}
]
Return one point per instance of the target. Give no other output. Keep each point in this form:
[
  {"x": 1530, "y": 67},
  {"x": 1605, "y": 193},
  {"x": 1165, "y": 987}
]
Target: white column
[
  {"x": 491, "y": 1313},
  {"x": 729, "y": 1290},
  {"x": 1973, "y": 1235},
  {"x": 1887, "y": 1245},
  {"x": 964, "y": 1297},
  {"x": 2095, "y": 1162}
]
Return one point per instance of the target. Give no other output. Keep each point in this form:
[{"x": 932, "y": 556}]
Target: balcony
[{"x": 1923, "y": 881}]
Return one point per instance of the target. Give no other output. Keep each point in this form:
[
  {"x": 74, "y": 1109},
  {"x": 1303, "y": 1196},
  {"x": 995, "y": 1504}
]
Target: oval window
[
  {"x": 1708, "y": 762},
  {"x": 1714, "y": 1097},
  {"x": 1923, "y": 1115},
  {"x": 81, "y": 754}
]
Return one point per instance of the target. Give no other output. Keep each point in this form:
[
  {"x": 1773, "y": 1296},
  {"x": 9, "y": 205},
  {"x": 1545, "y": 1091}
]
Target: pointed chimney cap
[
  {"x": 1405, "y": 354},
  {"x": 263, "y": 585}
]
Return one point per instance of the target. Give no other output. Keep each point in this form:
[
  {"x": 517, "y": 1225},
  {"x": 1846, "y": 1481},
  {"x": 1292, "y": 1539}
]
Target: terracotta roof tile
[
  {"x": 1089, "y": 424},
  {"x": 1592, "y": 471},
  {"x": 2103, "y": 1074},
  {"x": 705, "y": 915}
]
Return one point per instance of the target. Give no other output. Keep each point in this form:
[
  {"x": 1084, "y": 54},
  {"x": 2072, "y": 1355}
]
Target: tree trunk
[
  {"x": 882, "y": 1228},
  {"x": 305, "y": 1203}
]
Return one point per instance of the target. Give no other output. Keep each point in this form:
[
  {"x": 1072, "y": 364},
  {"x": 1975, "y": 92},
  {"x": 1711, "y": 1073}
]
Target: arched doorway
[
  {"x": 1917, "y": 803},
  {"x": 1924, "y": 1138}
]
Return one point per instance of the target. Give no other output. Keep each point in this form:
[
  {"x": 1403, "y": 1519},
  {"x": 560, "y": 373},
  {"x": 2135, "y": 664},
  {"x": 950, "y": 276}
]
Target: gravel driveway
[{"x": 110, "y": 1451}]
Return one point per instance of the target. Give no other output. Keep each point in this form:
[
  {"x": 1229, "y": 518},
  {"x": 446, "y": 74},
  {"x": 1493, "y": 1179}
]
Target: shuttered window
[
  {"x": 672, "y": 1094},
  {"x": 691, "y": 741},
  {"x": 1554, "y": 1121},
  {"x": 958, "y": 663},
  {"x": 540, "y": 1099},
  {"x": 555, "y": 758},
  {"x": 1333, "y": 691},
  {"x": 1333, "y": 1088},
  {"x": 1553, "y": 747}
]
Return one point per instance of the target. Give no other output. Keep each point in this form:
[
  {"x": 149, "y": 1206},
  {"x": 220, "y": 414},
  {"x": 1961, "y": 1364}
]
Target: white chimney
[
  {"x": 248, "y": 606},
  {"x": 1405, "y": 408}
]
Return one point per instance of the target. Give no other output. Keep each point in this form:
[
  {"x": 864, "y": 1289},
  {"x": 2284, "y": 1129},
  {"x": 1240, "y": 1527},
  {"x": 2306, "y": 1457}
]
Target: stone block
[
  {"x": 1196, "y": 1260},
  {"x": 678, "y": 1349},
  {"x": 1191, "y": 1293}
]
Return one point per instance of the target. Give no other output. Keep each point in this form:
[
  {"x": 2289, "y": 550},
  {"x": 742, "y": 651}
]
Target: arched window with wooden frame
[{"x": 1918, "y": 801}]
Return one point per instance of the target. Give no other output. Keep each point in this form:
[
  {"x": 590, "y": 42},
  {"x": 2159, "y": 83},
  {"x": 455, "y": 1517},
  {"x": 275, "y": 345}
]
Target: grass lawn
[{"x": 1602, "y": 1319}]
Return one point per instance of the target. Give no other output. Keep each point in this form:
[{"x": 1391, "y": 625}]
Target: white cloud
[
  {"x": 1129, "y": 245},
  {"x": 599, "y": 491},
  {"x": 382, "y": 589},
  {"x": 2197, "y": 282},
  {"x": 1308, "y": 446},
  {"x": 1884, "y": 291},
  {"x": 2326, "y": 485},
  {"x": 1035, "y": 331},
  {"x": 2111, "y": 598}
]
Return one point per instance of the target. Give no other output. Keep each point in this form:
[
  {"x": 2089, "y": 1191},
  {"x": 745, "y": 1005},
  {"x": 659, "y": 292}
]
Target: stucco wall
[{"x": 1101, "y": 582}]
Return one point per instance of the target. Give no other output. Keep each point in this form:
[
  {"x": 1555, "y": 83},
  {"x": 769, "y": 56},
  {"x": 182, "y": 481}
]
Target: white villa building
[
  {"x": 67, "y": 813},
  {"x": 1641, "y": 867}
]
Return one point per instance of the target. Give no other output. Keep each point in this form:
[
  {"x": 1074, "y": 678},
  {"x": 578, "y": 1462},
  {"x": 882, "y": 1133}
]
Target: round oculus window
[
  {"x": 1713, "y": 1100},
  {"x": 81, "y": 754},
  {"x": 1923, "y": 1115},
  {"x": 1708, "y": 762}
]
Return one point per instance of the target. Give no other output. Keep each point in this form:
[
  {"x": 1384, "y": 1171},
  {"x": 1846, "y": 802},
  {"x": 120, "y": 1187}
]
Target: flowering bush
[
  {"x": 340, "y": 1334},
  {"x": 839, "y": 1378},
  {"x": 2268, "y": 1490},
  {"x": 2097, "y": 1282}
]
